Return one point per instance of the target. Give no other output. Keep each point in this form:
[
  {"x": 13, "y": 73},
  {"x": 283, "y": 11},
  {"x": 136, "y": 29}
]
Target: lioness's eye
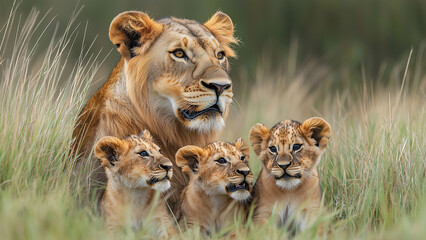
[
  {"x": 273, "y": 149},
  {"x": 220, "y": 55},
  {"x": 221, "y": 161},
  {"x": 297, "y": 147},
  {"x": 144, "y": 154},
  {"x": 243, "y": 158},
  {"x": 179, "y": 53}
]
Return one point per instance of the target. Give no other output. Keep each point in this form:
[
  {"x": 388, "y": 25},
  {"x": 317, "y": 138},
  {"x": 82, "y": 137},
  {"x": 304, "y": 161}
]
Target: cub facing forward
[
  {"x": 290, "y": 152},
  {"x": 220, "y": 184},
  {"x": 135, "y": 169}
]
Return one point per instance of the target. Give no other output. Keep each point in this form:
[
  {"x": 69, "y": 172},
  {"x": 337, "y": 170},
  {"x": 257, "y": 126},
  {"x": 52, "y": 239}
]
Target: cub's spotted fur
[
  {"x": 136, "y": 170},
  {"x": 220, "y": 184},
  {"x": 290, "y": 152}
]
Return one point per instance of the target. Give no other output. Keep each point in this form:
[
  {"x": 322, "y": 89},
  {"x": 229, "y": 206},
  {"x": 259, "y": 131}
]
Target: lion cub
[
  {"x": 219, "y": 186},
  {"x": 135, "y": 169},
  {"x": 289, "y": 153}
]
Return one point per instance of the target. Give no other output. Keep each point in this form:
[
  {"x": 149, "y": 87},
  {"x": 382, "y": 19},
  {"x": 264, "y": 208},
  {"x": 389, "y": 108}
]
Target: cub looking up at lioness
[
  {"x": 289, "y": 152},
  {"x": 220, "y": 184},
  {"x": 136, "y": 170}
]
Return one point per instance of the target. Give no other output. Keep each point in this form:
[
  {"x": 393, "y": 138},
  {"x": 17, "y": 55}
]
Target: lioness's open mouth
[
  {"x": 188, "y": 114},
  {"x": 235, "y": 187},
  {"x": 287, "y": 176}
]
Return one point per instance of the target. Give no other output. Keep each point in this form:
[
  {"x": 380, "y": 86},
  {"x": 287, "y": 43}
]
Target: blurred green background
[{"x": 349, "y": 36}]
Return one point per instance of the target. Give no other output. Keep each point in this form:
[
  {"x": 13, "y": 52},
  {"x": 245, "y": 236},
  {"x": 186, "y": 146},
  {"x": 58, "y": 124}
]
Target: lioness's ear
[
  {"x": 318, "y": 130},
  {"x": 147, "y": 135},
  {"x": 188, "y": 158},
  {"x": 222, "y": 28},
  {"x": 242, "y": 146},
  {"x": 258, "y": 136},
  {"x": 107, "y": 150},
  {"x": 133, "y": 29}
]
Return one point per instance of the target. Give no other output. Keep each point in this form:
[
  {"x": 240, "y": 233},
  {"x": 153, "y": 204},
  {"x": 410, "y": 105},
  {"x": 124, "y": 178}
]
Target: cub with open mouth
[
  {"x": 289, "y": 152},
  {"x": 220, "y": 184},
  {"x": 136, "y": 170}
]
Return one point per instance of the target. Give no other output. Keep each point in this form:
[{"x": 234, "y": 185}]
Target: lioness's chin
[
  {"x": 162, "y": 186},
  {"x": 241, "y": 195},
  {"x": 288, "y": 183},
  {"x": 202, "y": 124}
]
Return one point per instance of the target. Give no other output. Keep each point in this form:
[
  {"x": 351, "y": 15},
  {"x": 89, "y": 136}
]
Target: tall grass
[
  {"x": 41, "y": 93},
  {"x": 373, "y": 173}
]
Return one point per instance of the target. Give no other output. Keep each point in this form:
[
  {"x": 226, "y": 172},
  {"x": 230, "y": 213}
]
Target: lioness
[
  {"x": 135, "y": 169},
  {"x": 220, "y": 184},
  {"x": 172, "y": 79},
  {"x": 289, "y": 152}
]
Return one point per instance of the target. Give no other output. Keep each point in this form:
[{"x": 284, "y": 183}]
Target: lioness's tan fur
[{"x": 151, "y": 88}]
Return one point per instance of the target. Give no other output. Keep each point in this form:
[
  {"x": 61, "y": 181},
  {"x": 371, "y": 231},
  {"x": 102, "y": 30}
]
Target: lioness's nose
[
  {"x": 166, "y": 167},
  {"x": 243, "y": 172},
  {"x": 218, "y": 88}
]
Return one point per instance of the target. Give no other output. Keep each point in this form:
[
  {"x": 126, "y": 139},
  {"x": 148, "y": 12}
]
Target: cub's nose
[
  {"x": 243, "y": 172},
  {"x": 166, "y": 167},
  {"x": 218, "y": 88},
  {"x": 284, "y": 166}
]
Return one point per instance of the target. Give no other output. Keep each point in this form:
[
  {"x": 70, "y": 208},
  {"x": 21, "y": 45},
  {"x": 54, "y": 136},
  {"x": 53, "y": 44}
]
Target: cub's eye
[
  {"x": 243, "y": 158},
  {"x": 273, "y": 149},
  {"x": 296, "y": 147},
  {"x": 179, "y": 53},
  {"x": 221, "y": 161},
  {"x": 144, "y": 154},
  {"x": 220, "y": 55}
]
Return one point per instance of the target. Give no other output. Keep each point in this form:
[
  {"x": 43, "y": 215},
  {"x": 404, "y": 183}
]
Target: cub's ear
[
  {"x": 147, "y": 135},
  {"x": 133, "y": 29},
  {"x": 107, "y": 150},
  {"x": 259, "y": 134},
  {"x": 242, "y": 146},
  {"x": 222, "y": 28},
  {"x": 318, "y": 130},
  {"x": 188, "y": 158}
]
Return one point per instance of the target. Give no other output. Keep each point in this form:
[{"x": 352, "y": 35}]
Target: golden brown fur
[
  {"x": 180, "y": 98},
  {"x": 289, "y": 153},
  {"x": 136, "y": 172},
  {"x": 219, "y": 186}
]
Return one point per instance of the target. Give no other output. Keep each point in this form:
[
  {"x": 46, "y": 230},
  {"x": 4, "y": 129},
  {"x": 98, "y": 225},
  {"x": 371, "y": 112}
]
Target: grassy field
[{"x": 373, "y": 174}]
